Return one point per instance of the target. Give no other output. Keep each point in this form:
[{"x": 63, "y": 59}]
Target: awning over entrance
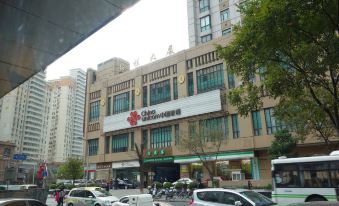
[
  {"x": 33, "y": 34},
  {"x": 220, "y": 156}
]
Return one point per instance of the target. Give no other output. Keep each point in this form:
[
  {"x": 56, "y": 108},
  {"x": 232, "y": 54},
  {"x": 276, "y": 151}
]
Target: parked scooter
[{"x": 170, "y": 193}]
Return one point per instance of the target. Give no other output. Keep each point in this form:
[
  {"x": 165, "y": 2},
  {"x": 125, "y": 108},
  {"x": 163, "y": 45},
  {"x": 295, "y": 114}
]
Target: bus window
[
  {"x": 315, "y": 175},
  {"x": 286, "y": 175},
  {"x": 334, "y": 169}
]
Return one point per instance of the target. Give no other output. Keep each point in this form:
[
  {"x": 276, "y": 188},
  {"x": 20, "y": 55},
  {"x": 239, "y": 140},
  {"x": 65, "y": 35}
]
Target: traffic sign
[{"x": 19, "y": 157}]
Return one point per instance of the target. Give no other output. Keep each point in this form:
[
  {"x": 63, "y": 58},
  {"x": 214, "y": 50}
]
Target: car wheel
[
  {"x": 97, "y": 205},
  {"x": 316, "y": 198},
  {"x": 70, "y": 204}
]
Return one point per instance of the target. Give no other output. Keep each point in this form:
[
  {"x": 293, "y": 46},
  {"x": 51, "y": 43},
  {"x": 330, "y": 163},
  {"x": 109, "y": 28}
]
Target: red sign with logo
[{"x": 133, "y": 118}]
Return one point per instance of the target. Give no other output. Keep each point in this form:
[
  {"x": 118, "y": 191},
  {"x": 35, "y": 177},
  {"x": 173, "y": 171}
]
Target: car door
[
  {"x": 89, "y": 198},
  {"x": 35, "y": 203},
  {"x": 209, "y": 198}
]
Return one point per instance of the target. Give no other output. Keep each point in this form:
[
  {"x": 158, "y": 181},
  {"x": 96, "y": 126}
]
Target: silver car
[{"x": 223, "y": 197}]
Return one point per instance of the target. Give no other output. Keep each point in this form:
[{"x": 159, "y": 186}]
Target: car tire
[
  {"x": 97, "y": 205},
  {"x": 70, "y": 204},
  {"x": 315, "y": 198}
]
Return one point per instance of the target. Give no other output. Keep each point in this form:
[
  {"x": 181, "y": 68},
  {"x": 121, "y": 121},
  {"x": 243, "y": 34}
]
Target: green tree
[
  {"x": 282, "y": 145},
  {"x": 293, "y": 46},
  {"x": 72, "y": 169},
  {"x": 205, "y": 142}
]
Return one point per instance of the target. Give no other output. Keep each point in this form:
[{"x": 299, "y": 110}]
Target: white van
[{"x": 136, "y": 200}]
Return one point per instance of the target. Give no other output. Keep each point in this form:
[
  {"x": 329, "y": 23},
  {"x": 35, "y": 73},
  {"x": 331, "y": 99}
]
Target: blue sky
[{"x": 148, "y": 27}]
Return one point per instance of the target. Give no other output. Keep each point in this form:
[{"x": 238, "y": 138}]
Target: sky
[{"x": 149, "y": 27}]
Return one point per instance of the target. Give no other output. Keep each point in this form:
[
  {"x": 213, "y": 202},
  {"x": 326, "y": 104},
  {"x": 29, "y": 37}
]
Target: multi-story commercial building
[
  {"x": 210, "y": 19},
  {"x": 155, "y": 104},
  {"x": 7, "y": 164},
  {"x": 66, "y": 108},
  {"x": 23, "y": 121}
]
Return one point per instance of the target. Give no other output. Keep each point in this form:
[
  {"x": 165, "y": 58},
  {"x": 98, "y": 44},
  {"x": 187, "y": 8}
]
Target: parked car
[
  {"x": 316, "y": 203},
  {"x": 183, "y": 180},
  {"x": 81, "y": 196},
  {"x": 136, "y": 200},
  {"x": 219, "y": 196},
  {"x": 20, "y": 202}
]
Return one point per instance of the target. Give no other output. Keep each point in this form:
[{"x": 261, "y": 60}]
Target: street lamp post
[{"x": 86, "y": 156}]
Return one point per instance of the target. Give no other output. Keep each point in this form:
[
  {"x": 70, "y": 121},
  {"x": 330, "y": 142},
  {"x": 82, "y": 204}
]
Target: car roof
[
  {"x": 221, "y": 190},
  {"x": 86, "y": 188}
]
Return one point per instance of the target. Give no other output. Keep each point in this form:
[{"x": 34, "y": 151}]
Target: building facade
[
  {"x": 7, "y": 164},
  {"x": 23, "y": 121},
  {"x": 66, "y": 108},
  {"x": 210, "y": 19},
  {"x": 156, "y": 105}
]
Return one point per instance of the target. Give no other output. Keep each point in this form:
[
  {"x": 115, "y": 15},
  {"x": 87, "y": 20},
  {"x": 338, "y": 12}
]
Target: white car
[
  {"x": 226, "y": 197},
  {"x": 184, "y": 180},
  {"x": 136, "y": 200},
  {"x": 89, "y": 197}
]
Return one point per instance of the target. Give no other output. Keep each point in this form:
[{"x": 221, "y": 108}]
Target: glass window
[
  {"x": 227, "y": 31},
  {"x": 205, "y": 23},
  {"x": 190, "y": 83},
  {"x": 94, "y": 111},
  {"x": 315, "y": 174},
  {"x": 109, "y": 106},
  {"x": 235, "y": 126},
  {"x": 120, "y": 143},
  {"x": 93, "y": 145},
  {"x": 161, "y": 137},
  {"x": 272, "y": 124},
  {"x": 228, "y": 198},
  {"x": 210, "y": 78},
  {"x": 133, "y": 100},
  {"x": 121, "y": 103},
  {"x": 210, "y": 196},
  {"x": 231, "y": 79},
  {"x": 175, "y": 88},
  {"x": 206, "y": 38},
  {"x": 160, "y": 92},
  {"x": 144, "y": 96},
  {"x": 225, "y": 15},
  {"x": 256, "y": 122},
  {"x": 204, "y": 5},
  {"x": 286, "y": 175},
  {"x": 176, "y": 133},
  {"x": 132, "y": 141},
  {"x": 107, "y": 143},
  {"x": 145, "y": 138},
  {"x": 211, "y": 127}
]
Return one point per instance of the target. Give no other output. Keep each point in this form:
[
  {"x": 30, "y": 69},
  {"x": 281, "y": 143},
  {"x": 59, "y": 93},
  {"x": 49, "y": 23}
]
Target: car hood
[{"x": 109, "y": 198}]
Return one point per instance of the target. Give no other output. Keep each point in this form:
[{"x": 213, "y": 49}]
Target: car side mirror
[
  {"x": 237, "y": 203},
  {"x": 90, "y": 196}
]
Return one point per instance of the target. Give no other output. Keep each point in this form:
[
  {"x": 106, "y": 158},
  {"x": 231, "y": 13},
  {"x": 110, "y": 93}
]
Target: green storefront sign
[{"x": 159, "y": 160}]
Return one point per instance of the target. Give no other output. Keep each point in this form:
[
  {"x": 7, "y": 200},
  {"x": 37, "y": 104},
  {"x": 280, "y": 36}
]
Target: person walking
[{"x": 62, "y": 194}]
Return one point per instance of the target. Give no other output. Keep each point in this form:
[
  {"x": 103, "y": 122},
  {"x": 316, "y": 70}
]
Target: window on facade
[
  {"x": 144, "y": 96},
  {"x": 204, "y": 5},
  {"x": 235, "y": 126},
  {"x": 225, "y": 15},
  {"x": 94, "y": 111},
  {"x": 213, "y": 129},
  {"x": 231, "y": 80},
  {"x": 161, "y": 137},
  {"x": 227, "y": 31},
  {"x": 132, "y": 141},
  {"x": 176, "y": 134},
  {"x": 121, "y": 103},
  {"x": 210, "y": 78},
  {"x": 206, "y": 38},
  {"x": 205, "y": 23},
  {"x": 93, "y": 145},
  {"x": 256, "y": 121},
  {"x": 190, "y": 83},
  {"x": 107, "y": 143},
  {"x": 120, "y": 143},
  {"x": 145, "y": 138},
  {"x": 272, "y": 124},
  {"x": 175, "y": 88},
  {"x": 133, "y": 100},
  {"x": 109, "y": 106},
  {"x": 160, "y": 92}
]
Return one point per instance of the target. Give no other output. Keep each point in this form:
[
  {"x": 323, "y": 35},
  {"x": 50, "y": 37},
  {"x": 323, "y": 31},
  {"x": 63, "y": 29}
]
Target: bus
[{"x": 305, "y": 179}]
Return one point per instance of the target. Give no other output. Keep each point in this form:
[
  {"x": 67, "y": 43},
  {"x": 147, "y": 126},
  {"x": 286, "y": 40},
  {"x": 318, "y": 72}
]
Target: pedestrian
[
  {"x": 62, "y": 194},
  {"x": 57, "y": 195},
  {"x": 107, "y": 186},
  {"x": 249, "y": 184}
]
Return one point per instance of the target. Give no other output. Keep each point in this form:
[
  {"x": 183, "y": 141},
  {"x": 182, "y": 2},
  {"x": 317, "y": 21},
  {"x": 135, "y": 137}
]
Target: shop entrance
[{"x": 168, "y": 172}]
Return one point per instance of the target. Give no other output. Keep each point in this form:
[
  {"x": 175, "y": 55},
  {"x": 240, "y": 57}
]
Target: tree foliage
[
  {"x": 204, "y": 142},
  {"x": 283, "y": 145},
  {"x": 293, "y": 46},
  {"x": 72, "y": 169}
]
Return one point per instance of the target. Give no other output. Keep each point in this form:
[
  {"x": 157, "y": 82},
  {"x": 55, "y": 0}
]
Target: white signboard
[
  {"x": 176, "y": 109},
  {"x": 116, "y": 165}
]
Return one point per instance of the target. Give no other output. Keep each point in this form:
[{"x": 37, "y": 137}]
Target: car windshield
[
  {"x": 101, "y": 193},
  {"x": 257, "y": 198}
]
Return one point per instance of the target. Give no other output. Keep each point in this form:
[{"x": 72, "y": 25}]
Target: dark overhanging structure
[{"x": 34, "y": 33}]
